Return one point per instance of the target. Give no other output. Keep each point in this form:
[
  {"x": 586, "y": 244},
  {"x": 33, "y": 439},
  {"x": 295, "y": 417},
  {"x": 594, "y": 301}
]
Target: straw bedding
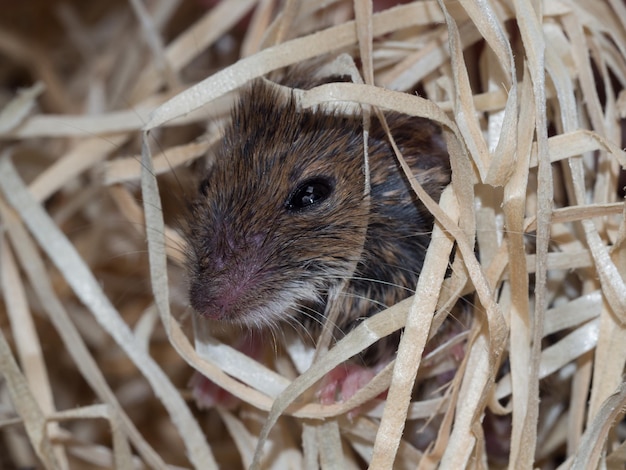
[{"x": 108, "y": 108}]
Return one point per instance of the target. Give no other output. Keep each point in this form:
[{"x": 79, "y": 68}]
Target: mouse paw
[
  {"x": 343, "y": 382},
  {"x": 209, "y": 395}
]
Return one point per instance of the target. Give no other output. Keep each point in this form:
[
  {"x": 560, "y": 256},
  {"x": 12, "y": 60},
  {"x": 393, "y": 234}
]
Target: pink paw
[
  {"x": 209, "y": 395},
  {"x": 343, "y": 382}
]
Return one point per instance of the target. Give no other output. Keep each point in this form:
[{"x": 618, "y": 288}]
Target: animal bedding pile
[{"x": 513, "y": 340}]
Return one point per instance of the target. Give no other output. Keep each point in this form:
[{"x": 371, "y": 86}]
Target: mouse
[{"x": 284, "y": 217}]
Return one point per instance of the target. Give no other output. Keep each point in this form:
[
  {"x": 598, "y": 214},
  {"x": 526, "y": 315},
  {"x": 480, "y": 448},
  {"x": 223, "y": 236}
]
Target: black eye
[
  {"x": 203, "y": 188},
  {"x": 308, "y": 193}
]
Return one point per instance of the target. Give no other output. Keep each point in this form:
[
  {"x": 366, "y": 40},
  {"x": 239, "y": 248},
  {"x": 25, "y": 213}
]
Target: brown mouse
[{"x": 281, "y": 217}]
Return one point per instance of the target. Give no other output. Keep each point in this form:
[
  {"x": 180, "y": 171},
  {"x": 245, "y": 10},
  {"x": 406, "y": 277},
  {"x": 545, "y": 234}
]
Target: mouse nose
[
  {"x": 212, "y": 303},
  {"x": 215, "y": 310},
  {"x": 221, "y": 307},
  {"x": 224, "y": 295}
]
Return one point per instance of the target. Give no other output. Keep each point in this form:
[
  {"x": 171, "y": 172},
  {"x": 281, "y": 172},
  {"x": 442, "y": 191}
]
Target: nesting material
[{"x": 106, "y": 111}]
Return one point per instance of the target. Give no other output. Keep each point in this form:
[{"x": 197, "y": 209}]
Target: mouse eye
[
  {"x": 308, "y": 193},
  {"x": 203, "y": 188}
]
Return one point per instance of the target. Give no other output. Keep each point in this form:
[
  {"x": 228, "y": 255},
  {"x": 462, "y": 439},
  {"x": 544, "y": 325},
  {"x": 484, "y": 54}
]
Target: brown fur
[{"x": 255, "y": 263}]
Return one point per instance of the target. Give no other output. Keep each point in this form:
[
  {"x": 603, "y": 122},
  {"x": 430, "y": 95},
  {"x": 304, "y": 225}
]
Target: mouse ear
[
  {"x": 342, "y": 67},
  {"x": 322, "y": 71},
  {"x": 422, "y": 146}
]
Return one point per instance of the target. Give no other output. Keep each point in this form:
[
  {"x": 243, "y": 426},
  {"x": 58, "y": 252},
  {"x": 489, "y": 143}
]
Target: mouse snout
[
  {"x": 215, "y": 302},
  {"x": 222, "y": 296},
  {"x": 223, "y": 247},
  {"x": 223, "y": 279}
]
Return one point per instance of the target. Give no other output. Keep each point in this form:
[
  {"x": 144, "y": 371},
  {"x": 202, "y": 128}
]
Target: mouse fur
[{"x": 257, "y": 260}]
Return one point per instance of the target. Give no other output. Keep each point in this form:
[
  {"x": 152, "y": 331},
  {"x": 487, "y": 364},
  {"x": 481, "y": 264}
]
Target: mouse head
[{"x": 281, "y": 216}]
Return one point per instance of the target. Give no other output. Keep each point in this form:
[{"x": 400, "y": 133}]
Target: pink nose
[
  {"x": 216, "y": 308},
  {"x": 218, "y": 299},
  {"x": 221, "y": 307}
]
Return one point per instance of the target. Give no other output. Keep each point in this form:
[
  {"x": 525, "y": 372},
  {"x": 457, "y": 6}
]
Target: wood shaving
[{"x": 108, "y": 109}]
